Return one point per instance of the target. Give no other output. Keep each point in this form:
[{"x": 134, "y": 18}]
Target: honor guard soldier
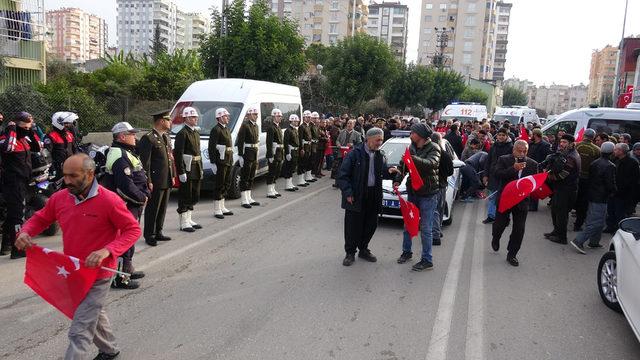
[
  {"x": 291, "y": 144},
  {"x": 275, "y": 153},
  {"x": 323, "y": 141},
  {"x": 315, "y": 137},
  {"x": 188, "y": 160},
  {"x": 221, "y": 158},
  {"x": 157, "y": 160},
  {"x": 248, "y": 143},
  {"x": 60, "y": 141},
  {"x": 304, "y": 163},
  {"x": 125, "y": 176}
]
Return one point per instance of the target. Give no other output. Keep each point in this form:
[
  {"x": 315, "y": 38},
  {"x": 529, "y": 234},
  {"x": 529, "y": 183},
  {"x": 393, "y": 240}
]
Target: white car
[
  {"x": 618, "y": 273},
  {"x": 393, "y": 149}
]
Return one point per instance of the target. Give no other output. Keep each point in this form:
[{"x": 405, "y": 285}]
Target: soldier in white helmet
[
  {"x": 221, "y": 158},
  {"x": 291, "y": 144},
  {"x": 188, "y": 160},
  {"x": 315, "y": 157},
  {"x": 248, "y": 143},
  {"x": 304, "y": 164},
  {"x": 275, "y": 153}
]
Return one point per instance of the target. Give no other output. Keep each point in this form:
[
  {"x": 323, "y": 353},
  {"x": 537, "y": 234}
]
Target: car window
[
  {"x": 286, "y": 108},
  {"x": 394, "y": 151},
  {"x": 207, "y": 112},
  {"x": 568, "y": 127},
  {"x": 610, "y": 126}
]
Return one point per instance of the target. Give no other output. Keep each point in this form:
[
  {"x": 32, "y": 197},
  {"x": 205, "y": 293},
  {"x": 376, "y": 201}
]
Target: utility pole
[
  {"x": 617, "y": 88},
  {"x": 442, "y": 41},
  {"x": 353, "y": 20},
  {"x": 222, "y": 68}
]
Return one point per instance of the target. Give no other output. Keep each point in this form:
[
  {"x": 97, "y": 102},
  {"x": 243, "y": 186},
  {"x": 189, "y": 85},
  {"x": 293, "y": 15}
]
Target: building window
[
  {"x": 398, "y": 21},
  {"x": 372, "y": 11},
  {"x": 442, "y": 18},
  {"x": 373, "y": 22},
  {"x": 385, "y": 30},
  {"x": 317, "y": 37},
  {"x": 333, "y": 39},
  {"x": 443, "y": 6},
  {"x": 428, "y": 31},
  {"x": 468, "y": 45},
  {"x": 453, "y": 6},
  {"x": 429, "y": 6},
  {"x": 428, "y": 18},
  {"x": 472, "y": 7},
  {"x": 398, "y": 11},
  {"x": 385, "y": 11},
  {"x": 466, "y": 59},
  {"x": 385, "y": 21},
  {"x": 469, "y": 33},
  {"x": 308, "y": 26},
  {"x": 333, "y": 28},
  {"x": 470, "y": 20}
]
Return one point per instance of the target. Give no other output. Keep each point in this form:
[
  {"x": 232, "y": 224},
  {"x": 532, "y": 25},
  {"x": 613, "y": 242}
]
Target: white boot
[
  {"x": 289, "y": 185},
  {"x": 217, "y": 210},
  {"x": 308, "y": 177},
  {"x": 193, "y": 223},
  {"x": 251, "y": 201},
  {"x": 301, "y": 181},
  {"x": 245, "y": 200},
  {"x": 271, "y": 191},
  {"x": 225, "y": 211},
  {"x": 184, "y": 223}
]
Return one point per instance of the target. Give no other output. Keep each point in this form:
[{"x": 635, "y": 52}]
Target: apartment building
[
  {"x": 196, "y": 25},
  {"x": 557, "y": 99},
  {"x": 76, "y": 36},
  {"x": 324, "y": 21},
  {"x": 388, "y": 21}
]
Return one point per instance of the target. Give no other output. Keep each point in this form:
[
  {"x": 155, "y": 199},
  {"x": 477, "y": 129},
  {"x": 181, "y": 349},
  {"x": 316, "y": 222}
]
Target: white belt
[
  {"x": 292, "y": 148},
  {"x": 314, "y": 141},
  {"x": 252, "y": 145},
  {"x": 305, "y": 142},
  {"x": 222, "y": 149},
  {"x": 276, "y": 145}
]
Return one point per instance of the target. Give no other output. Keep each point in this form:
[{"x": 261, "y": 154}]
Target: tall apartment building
[
  {"x": 76, "y": 36},
  {"x": 389, "y": 22},
  {"x": 473, "y": 28},
  {"x": 324, "y": 21},
  {"x": 602, "y": 74},
  {"x": 556, "y": 99},
  {"x": 522, "y": 85},
  {"x": 137, "y": 21}
]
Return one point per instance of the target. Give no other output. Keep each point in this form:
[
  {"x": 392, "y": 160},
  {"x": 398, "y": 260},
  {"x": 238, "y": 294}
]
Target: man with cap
[
  {"x": 304, "y": 164},
  {"x": 17, "y": 142},
  {"x": 602, "y": 186},
  {"x": 126, "y": 177},
  {"x": 60, "y": 140},
  {"x": 425, "y": 154},
  {"x": 221, "y": 158},
  {"x": 291, "y": 142},
  {"x": 248, "y": 143},
  {"x": 622, "y": 203},
  {"x": 275, "y": 152},
  {"x": 156, "y": 155},
  {"x": 186, "y": 154},
  {"x": 348, "y": 138},
  {"x": 315, "y": 138},
  {"x": 635, "y": 153},
  {"x": 589, "y": 152},
  {"x": 625, "y": 138},
  {"x": 502, "y": 146},
  {"x": 564, "y": 171}
]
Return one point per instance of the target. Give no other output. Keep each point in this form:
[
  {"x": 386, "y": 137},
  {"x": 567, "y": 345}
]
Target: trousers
[
  {"x": 561, "y": 205},
  {"x": 519, "y": 213},
  {"x": 359, "y": 226},
  {"x": 155, "y": 212},
  {"x": 188, "y": 195}
]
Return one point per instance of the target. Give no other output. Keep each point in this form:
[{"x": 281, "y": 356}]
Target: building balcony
[{"x": 501, "y": 51}]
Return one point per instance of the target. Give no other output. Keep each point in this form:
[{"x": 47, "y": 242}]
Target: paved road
[{"x": 268, "y": 283}]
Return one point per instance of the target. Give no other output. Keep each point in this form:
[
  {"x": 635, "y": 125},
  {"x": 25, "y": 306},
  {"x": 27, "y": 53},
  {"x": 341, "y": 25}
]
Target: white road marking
[
  {"x": 442, "y": 326},
  {"x": 474, "y": 349}
]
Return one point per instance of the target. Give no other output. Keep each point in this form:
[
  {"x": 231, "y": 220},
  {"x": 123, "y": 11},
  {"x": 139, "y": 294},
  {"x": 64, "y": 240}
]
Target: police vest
[{"x": 115, "y": 153}]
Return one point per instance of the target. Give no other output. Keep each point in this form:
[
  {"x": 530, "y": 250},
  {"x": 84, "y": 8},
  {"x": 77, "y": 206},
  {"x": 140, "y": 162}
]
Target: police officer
[
  {"x": 186, "y": 153},
  {"x": 248, "y": 143},
  {"x": 60, "y": 141},
  {"x": 157, "y": 160},
  {"x": 291, "y": 142},
  {"x": 221, "y": 158},
  {"x": 126, "y": 177},
  {"x": 315, "y": 138},
  {"x": 304, "y": 163},
  {"x": 17, "y": 142},
  {"x": 275, "y": 153}
]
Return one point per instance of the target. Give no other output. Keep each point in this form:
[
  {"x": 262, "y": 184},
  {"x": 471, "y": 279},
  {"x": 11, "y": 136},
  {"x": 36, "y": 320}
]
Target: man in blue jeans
[{"x": 425, "y": 154}]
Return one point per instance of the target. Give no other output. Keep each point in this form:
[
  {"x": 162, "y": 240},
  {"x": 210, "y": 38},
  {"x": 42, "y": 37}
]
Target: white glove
[
  {"x": 288, "y": 157},
  {"x": 214, "y": 168},
  {"x": 183, "y": 178},
  {"x": 270, "y": 160},
  {"x": 241, "y": 161}
]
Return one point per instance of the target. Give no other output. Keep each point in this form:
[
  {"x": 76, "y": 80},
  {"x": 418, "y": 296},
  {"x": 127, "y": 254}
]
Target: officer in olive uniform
[
  {"x": 315, "y": 137},
  {"x": 155, "y": 153},
  {"x": 248, "y": 143},
  {"x": 126, "y": 177},
  {"x": 275, "y": 153},
  {"x": 304, "y": 164},
  {"x": 291, "y": 142},
  {"x": 221, "y": 158},
  {"x": 188, "y": 162}
]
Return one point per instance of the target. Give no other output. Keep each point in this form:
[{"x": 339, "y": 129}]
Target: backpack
[{"x": 446, "y": 164}]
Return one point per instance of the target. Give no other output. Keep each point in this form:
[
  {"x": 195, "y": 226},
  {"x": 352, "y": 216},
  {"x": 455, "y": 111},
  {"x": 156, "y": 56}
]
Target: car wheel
[
  {"x": 608, "y": 281},
  {"x": 450, "y": 219}
]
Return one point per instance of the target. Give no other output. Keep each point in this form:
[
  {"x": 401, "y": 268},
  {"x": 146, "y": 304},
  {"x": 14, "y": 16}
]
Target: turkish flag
[
  {"x": 542, "y": 192},
  {"x": 416, "y": 180},
  {"x": 580, "y": 135},
  {"x": 518, "y": 190},
  {"x": 410, "y": 215},
  {"x": 59, "y": 279},
  {"x": 524, "y": 135},
  {"x": 344, "y": 150}
]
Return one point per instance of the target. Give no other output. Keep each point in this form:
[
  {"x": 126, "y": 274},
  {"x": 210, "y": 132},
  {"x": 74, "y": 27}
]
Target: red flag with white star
[
  {"x": 517, "y": 190},
  {"x": 542, "y": 192},
  {"x": 524, "y": 134},
  {"x": 416, "y": 180},
  {"x": 410, "y": 215},
  {"x": 61, "y": 280}
]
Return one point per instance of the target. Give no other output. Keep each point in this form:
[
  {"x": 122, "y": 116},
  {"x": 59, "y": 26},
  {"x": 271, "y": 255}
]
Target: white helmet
[
  {"x": 57, "y": 119},
  {"x": 306, "y": 113},
  {"x": 315, "y": 115},
  {"x": 294, "y": 117},
  {"x": 189, "y": 111},
  {"x": 276, "y": 112},
  {"x": 252, "y": 110},
  {"x": 220, "y": 112},
  {"x": 71, "y": 118}
]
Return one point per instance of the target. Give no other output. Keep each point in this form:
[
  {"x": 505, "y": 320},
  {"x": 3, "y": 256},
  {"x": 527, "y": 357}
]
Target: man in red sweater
[{"x": 96, "y": 227}]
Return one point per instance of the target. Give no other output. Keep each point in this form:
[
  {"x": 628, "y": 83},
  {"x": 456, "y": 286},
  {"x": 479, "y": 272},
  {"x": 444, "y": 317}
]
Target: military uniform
[
  {"x": 304, "y": 163},
  {"x": 275, "y": 153},
  {"x": 291, "y": 142},
  {"x": 221, "y": 154},
  {"x": 187, "y": 142},
  {"x": 248, "y": 142}
]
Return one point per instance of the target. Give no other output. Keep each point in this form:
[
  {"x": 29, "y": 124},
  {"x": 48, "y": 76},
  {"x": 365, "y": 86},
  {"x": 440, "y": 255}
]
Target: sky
[{"x": 550, "y": 41}]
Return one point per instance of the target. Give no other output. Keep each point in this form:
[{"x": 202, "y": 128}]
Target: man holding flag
[{"x": 97, "y": 228}]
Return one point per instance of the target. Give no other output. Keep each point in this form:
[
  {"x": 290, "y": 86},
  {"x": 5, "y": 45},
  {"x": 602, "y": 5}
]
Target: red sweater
[{"x": 102, "y": 221}]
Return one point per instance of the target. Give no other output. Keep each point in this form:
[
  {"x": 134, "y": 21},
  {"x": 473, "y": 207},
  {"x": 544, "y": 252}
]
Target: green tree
[
  {"x": 474, "y": 95},
  {"x": 17, "y": 98},
  {"x": 359, "y": 67},
  {"x": 412, "y": 87},
  {"x": 3, "y": 67},
  {"x": 448, "y": 86},
  {"x": 513, "y": 96},
  {"x": 157, "y": 47},
  {"x": 317, "y": 53},
  {"x": 59, "y": 69},
  {"x": 168, "y": 75},
  {"x": 257, "y": 46}
]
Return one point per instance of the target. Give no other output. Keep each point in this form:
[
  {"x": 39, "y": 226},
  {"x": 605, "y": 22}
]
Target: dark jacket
[
  {"x": 627, "y": 173},
  {"x": 589, "y": 152},
  {"x": 61, "y": 144},
  {"x": 353, "y": 175},
  {"x": 155, "y": 153},
  {"x": 455, "y": 139},
  {"x": 427, "y": 161},
  {"x": 602, "y": 180},
  {"x": 124, "y": 176},
  {"x": 16, "y": 146},
  {"x": 249, "y": 134},
  {"x": 564, "y": 177},
  {"x": 505, "y": 173},
  {"x": 187, "y": 142},
  {"x": 497, "y": 150},
  {"x": 539, "y": 151},
  {"x": 220, "y": 148},
  {"x": 275, "y": 147}
]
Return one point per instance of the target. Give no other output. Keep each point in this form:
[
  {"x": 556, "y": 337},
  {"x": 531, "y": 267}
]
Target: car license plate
[{"x": 391, "y": 203}]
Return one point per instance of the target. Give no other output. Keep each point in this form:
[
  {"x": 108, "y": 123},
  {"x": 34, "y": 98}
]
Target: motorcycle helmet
[{"x": 57, "y": 119}]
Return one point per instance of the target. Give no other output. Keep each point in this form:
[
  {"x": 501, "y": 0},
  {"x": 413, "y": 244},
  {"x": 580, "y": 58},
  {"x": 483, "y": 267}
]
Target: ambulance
[
  {"x": 515, "y": 114},
  {"x": 464, "y": 112}
]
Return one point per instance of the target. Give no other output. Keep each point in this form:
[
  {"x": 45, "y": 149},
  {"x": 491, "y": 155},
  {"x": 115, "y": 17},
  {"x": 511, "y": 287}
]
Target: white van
[
  {"x": 609, "y": 120},
  {"x": 464, "y": 112},
  {"x": 516, "y": 114},
  {"x": 237, "y": 96}
]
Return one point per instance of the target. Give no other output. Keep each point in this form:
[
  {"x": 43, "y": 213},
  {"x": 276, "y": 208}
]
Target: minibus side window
[
  {"x": 611, "y": 126},
  {"x": 568, "y": 127}
]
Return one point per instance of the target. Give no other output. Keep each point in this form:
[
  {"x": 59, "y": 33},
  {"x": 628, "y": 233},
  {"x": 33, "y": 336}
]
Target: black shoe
[
  {"x": 255, "y": 203},
  {"x": 5, "y": 250},
  {"x": 349, "y": 260},
  {"x": 548, "y": 235},
  {"x": 303, "y": 185},
  {"x": 137, "y": 275},
  {"x": 422, "y": 265},
  {"x": 579, "y": 247},
  {"x": 105, "y": 356},
  {"x": 278, "y": 195},
  {"x": 334, "y": 185},
  {"x": 406, "y": 256},
  {"x": 312, "y": 180},
  {"x": 228, "y": 213},
  {"x": 495, "y": 245},
  {"x": 272, "y": 196},
  {"x": 246, "y": 206},
  {"x": 196, "y": 226},
  {"x": 219, "y": 216},
  {"x": 290, "y": 189},
  {"x": 17, "y": 254},
  {"x": 558, "y": 240},
  {"x": 151, "y": 241},
  {"x": 367, "y": 255},
  {"x": 488, "y": 220},
  {"x": 189, "y": 229},
  {"x": 126, "y": 284},
  {"x": 436, "y": 242},
  {"x": 594, "y": 246},
  {"x": 295, "y": 188},
  {"x": 609, "y": 231},
  {"x": 162, "y": 237},
  {"x": 513, "y": 261}
]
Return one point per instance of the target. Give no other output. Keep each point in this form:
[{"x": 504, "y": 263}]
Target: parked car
[
  {"x": 393, "y": 149},
  {"x": 618, "y": 273}
]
